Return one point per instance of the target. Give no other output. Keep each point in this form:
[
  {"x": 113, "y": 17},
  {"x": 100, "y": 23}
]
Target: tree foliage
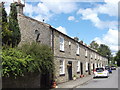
[
  {"x": 13, "y": 26},
  {"x": 104, "y": 50},
  {"x": 6, "y": 33},
  {"x": 94, "y": 45},
  {"x": 27, "y": 58},
  {"x": 42, "y": 55},
  {"x": 117, "y": 58},
  {"x": 4, "y": 14},
  {"x": 16, "y": 62}
]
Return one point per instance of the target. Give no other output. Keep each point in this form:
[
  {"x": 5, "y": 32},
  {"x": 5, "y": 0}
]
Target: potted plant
[
  {"x": 74, "y": 77},
  {"x": 81, "y": 76}
]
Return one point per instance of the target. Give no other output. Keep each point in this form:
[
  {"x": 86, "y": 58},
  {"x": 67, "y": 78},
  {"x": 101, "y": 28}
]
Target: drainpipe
[{"x": 52, "y": 46}]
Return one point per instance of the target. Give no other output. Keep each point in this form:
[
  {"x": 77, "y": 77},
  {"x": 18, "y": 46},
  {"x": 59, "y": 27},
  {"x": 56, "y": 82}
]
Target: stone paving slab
[{"x": 75, "y": 83}]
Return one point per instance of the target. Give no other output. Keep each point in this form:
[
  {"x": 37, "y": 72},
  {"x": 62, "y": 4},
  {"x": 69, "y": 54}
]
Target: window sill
[
  {"x": 78, "y": 54},
  {"x": 62, "y": 74},
  {"x": 86, "y": 56},
  {"x": 78, "y": 72},
  {"x": 62, "y": 51}
]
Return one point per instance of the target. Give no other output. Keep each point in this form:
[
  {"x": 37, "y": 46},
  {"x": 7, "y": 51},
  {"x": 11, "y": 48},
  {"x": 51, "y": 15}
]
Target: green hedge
[
  {"x": 28, "y": 58},
  {"x": 16, "y": 62},
  {"x": 42, "y": 55}
]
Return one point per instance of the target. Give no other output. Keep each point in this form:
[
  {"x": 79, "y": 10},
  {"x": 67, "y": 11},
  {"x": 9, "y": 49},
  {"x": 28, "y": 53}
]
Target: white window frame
[
  {"x": 61, "y": 43},
  {"x": 78, "y": 66},
  {"x": 101, "y": 64},
  {"x": 86, "y": 52},
  {"x": 62, "y": 66},
  {"x": 91, "y": 65},
  {"x": 78, "y": 49},
  {"x": 98, "y": 57},
  {"x": 86, "y": 66},
  {"x": 95, "y": 65},
  {"x": 69, "y": 43},
  {"x": 95, "y": 55},
  {"x": 91, "y": 54}
]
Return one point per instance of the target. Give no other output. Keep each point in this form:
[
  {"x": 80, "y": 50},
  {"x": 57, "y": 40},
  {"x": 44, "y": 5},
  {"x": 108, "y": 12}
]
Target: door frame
[{"x": 69, "y": 68}]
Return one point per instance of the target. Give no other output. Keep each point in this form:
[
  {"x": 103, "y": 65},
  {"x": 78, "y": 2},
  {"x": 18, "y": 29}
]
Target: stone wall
[
  {"x": 69, "y": 54},
  {"x": 30, "y": 80},
  {"x": 30, "y": 29}
]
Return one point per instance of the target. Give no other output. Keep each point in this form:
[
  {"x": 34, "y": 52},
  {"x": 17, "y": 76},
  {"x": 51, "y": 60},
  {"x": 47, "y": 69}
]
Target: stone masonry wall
[
  {"x": 29, "y": 27},
  {"x": 29, "y": 30},
  {"x": 69, "y": 54}
]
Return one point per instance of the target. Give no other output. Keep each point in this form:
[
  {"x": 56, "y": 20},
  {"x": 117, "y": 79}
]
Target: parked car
[
  {"x": 108, "y": 68},
  {"x": 113, "y": 68},
  {"x": 101, "y": 72}
]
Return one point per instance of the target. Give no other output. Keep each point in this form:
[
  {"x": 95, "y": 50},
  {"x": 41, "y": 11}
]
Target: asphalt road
[{"x": 110, "y": 82}]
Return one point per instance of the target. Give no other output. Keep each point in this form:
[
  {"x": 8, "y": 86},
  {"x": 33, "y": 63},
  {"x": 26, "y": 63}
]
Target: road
[{"x": 110, "y": 82}]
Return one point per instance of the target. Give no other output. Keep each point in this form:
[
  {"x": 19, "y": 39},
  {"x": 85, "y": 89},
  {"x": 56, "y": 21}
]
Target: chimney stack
[
  {"x": 19, "y": 7},
  {"x": 76, "y": 38}
]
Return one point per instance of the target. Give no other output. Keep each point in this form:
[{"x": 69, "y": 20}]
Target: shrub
[
  {"x": 16, "y": 62},
  {"x": 42, "y": 54},
  {"x": 28, "y": 58}
]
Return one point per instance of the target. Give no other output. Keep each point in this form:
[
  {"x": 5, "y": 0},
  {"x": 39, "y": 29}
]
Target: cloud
[
  {"x": 39, "y": 12},
  {"x": 110, "y": 8},
  {"x": 71, "y": 18},
  {"x": 59, "y": 6},
  {"x": 62, "y": 29},
  {"x": 110, "y": 39},
  {"x": 47, "y": 8}
]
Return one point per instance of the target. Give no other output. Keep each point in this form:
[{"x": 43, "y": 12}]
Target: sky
[{"x": 86, "y": 19}]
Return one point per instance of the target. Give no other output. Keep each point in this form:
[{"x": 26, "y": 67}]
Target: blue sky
[{"x": 87, "y": 20}]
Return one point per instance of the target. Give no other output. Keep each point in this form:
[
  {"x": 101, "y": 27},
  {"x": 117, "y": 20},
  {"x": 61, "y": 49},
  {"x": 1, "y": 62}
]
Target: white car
[{"x": 101, "y": 72}]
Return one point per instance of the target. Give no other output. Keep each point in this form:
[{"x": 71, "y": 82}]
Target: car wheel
[{"x": 107, "y": 76}]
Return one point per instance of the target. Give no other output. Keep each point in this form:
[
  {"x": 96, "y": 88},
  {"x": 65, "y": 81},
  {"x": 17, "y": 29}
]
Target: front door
[
  {"x": 89, "y": 68},
  {"x": 81, "y": 68},
  {"x": 93, "y": 67},
  {"x": 70, "y": 70}
]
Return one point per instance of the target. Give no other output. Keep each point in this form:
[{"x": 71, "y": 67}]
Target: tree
[
  {"x": 117, "y": 58},
  {"x": 4, "y": 14},
  {"x": 104, "y": 50},
  {"x": 94, "y": 45},
  {"x": 13, "y": 26},
  {"x": 6, "y": 33}
]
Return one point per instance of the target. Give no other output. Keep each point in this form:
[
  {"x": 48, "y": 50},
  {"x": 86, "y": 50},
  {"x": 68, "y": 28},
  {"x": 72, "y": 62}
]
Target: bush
[
  {"x": 16, "y": 62},
  {"x": 42, "y": 54},
  {"x": 28, "y": 58}
]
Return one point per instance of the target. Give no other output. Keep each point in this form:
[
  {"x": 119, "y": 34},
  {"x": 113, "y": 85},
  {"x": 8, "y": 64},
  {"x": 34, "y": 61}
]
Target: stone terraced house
[{"x": 71, "y": 56}]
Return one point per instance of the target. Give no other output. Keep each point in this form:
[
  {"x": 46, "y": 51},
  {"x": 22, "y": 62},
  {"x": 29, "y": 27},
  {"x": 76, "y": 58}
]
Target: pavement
[{"x": 75, "y": 83}]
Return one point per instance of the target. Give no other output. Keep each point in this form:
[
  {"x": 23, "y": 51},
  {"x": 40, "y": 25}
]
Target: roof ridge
[{"x": 22, "y": 15}]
